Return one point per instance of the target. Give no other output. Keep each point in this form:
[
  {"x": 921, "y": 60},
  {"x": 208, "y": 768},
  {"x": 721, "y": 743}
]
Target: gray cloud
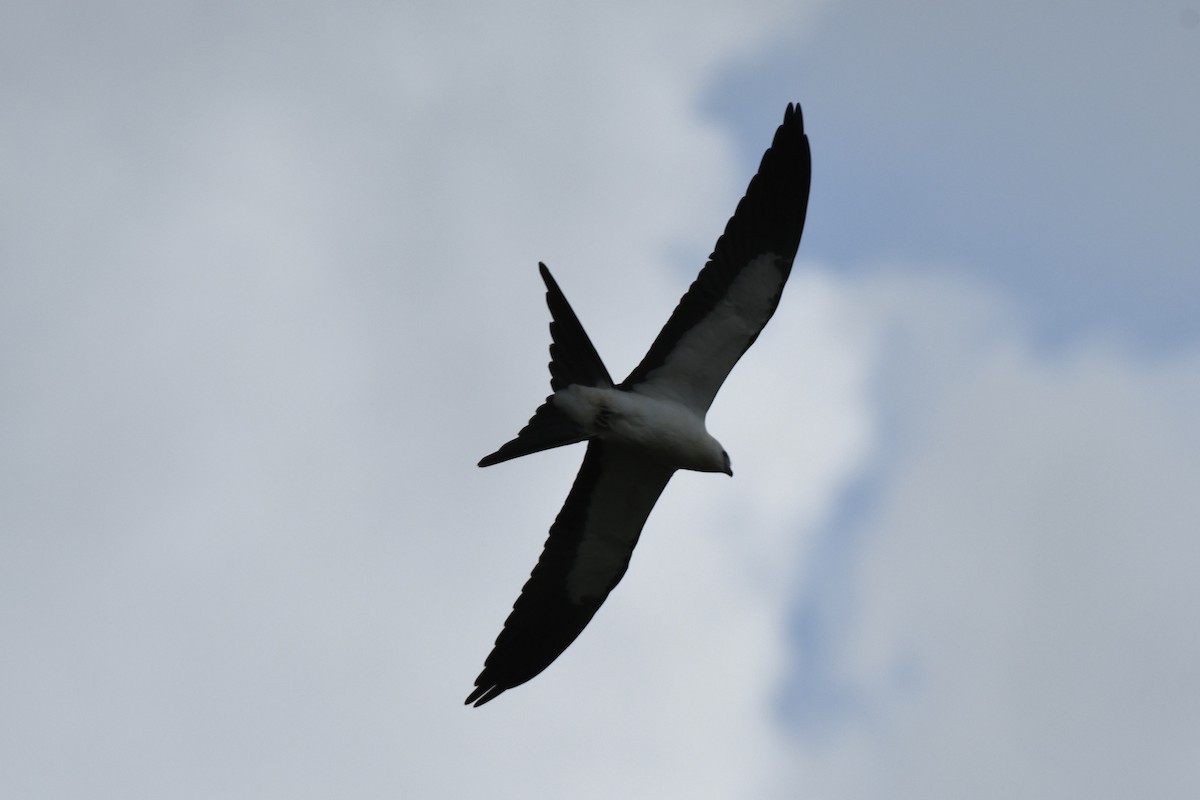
[
  {"x": 1021, "y": 589},
  {"x": 1048, "y": 150},
  {"x": 269, "y": 292}
]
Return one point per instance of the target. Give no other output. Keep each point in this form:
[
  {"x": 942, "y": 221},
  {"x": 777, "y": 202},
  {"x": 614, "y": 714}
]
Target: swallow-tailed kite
[{"x": 641, "y": 430}]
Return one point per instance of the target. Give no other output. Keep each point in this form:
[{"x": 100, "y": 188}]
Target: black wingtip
[
  {"x": 482, "y": 695},
  {"x": 793, "y": 115}
]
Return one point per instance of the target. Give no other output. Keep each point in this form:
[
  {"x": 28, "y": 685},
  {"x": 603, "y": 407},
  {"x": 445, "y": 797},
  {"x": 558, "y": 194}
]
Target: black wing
[
  {"x": 585, "y": 556},
  {"x": 739, "y": 288}
]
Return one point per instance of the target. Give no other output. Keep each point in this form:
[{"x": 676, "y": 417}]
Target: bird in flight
[{"x": 641, "y": 430}]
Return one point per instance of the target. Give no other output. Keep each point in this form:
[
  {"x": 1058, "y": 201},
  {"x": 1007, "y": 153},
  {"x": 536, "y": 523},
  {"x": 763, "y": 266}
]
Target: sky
[{"x": 268, "y": 292}]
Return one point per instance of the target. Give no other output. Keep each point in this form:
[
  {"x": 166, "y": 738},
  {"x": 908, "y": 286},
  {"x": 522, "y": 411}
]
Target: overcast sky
[{"x": 268, "y": 291}]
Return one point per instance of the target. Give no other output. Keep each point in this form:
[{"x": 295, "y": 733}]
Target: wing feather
[
  {"x": 585, "y": 556},
  {"x": 739, "y": 288}
]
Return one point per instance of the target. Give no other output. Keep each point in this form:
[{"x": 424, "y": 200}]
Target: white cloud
[
  {"x": 1024, "y": 592},
  {"x": 269, "y": 292}
]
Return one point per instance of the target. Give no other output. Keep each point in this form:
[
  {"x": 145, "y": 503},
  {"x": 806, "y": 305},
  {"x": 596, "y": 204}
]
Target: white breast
[{"x": 663, "y": 429}]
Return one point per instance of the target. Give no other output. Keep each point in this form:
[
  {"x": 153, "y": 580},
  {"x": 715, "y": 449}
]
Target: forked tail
[{"x": 573, "y": 360}]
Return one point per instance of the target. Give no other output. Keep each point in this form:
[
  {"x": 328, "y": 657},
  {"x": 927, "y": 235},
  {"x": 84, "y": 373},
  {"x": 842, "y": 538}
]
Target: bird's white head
[{"x": 714, "y": 459}]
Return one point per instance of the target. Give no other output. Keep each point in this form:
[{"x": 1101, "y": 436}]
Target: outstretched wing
[
  {"x": 585, "y": 556},
  {"x": 737, "y": 291}
]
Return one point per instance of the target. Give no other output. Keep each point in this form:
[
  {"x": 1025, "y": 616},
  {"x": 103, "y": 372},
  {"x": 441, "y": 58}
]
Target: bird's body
[
  {"x": 641, "y": 430},
  {"x": 656, "y": 428}
]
